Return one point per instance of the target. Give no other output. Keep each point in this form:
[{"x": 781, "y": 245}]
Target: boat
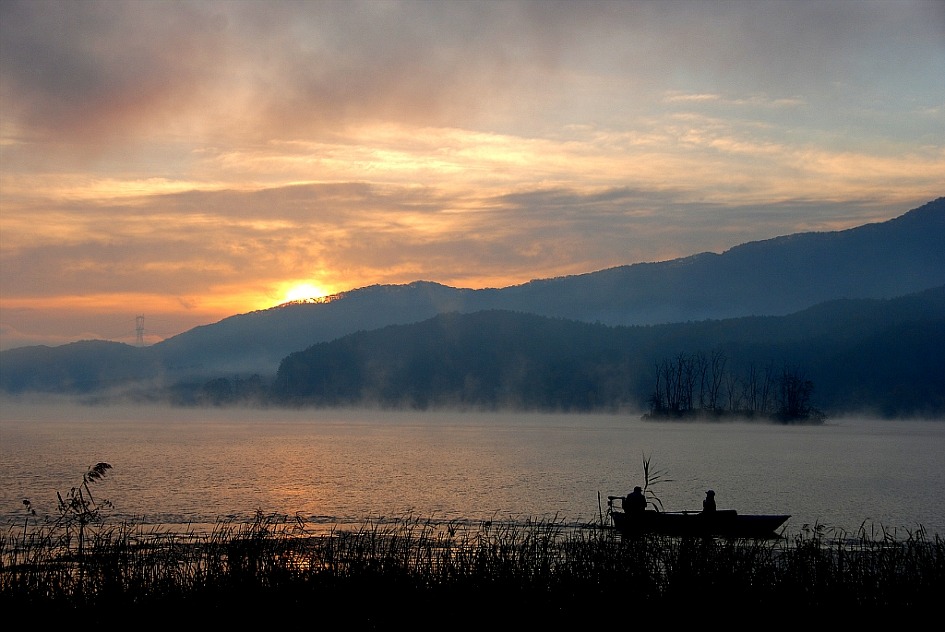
[{"x": 723, "y": 523}]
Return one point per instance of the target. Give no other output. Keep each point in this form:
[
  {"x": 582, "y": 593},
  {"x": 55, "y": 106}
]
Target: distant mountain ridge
[
  {"x": 773, "y": 277},
  {"x": 884, "y": 356}
]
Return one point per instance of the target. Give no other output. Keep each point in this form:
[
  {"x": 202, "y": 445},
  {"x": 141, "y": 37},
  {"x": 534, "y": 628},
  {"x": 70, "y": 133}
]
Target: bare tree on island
[
  {"x": 785, "y": 397},
  {"x": 794, "y": 397}
]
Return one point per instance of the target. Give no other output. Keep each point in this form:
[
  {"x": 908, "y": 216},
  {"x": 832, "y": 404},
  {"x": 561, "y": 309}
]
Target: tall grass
[{"x": 421, "y": 572}]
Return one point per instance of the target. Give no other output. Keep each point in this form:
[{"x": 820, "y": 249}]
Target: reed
[{"x": 411, "y": 570}]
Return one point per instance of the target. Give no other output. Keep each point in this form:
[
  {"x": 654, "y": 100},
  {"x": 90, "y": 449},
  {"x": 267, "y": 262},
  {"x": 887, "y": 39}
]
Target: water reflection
[{"x": 187, "y": 466}]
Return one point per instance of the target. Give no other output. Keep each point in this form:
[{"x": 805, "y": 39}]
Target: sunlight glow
[{"x": 303, "y": 292}]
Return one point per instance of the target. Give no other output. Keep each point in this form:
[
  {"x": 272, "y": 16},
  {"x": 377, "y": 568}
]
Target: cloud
[
  {"x": 86, "y": 73},
  {"x": 191, "y": 157},
  {"x": 182, "y": 244},
  {"x": 104, "y": 74}
]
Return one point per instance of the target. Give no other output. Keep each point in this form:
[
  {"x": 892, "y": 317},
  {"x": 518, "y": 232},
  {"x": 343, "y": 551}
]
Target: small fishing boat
[{"x": 724, "y": 523}]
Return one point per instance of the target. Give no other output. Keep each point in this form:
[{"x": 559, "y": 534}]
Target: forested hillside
[
  {"x": 772, "y": 277},
  {"x": 882, "y": 356}
]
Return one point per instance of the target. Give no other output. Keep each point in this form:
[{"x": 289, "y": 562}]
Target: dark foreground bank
[{"x": 275, "y": 572}]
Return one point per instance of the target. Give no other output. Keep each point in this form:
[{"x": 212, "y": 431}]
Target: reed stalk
[{"x": 539, "y": 571}]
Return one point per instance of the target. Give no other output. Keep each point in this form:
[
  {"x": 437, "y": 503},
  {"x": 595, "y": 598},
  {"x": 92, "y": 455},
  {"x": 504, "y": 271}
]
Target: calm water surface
[{"x": 176, "y": 467}]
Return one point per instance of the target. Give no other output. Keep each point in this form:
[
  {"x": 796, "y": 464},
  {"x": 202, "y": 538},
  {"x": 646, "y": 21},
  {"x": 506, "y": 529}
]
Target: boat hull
[{"x": 724, "y": 523}]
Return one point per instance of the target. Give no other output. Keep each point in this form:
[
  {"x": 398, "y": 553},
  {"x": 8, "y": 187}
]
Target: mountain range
[
  {"x": 881, "y": 356},
  {"x": 774, "y": 278}
]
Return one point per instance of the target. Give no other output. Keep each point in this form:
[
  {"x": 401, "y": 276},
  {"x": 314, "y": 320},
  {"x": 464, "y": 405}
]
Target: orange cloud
[{"x": 198, "y": 156}]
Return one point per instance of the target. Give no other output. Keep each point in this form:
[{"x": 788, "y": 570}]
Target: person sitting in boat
[
  {"x": 708, "y": 504},
  {"x": 635, "y": 501}
]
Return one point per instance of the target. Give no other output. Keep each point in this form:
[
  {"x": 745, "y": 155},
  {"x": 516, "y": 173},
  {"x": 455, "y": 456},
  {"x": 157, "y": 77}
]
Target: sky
[{"x": 189, "y": 161}]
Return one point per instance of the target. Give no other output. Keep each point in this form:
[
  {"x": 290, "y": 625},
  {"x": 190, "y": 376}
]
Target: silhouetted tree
[
  {"x": 794, "y": 397},
  {"x": 717, "y": 364},
  {"x": 787, "y": 398}
]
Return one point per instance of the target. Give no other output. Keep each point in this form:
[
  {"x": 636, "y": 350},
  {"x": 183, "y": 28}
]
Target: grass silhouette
[{"x": 414, "y": 570}]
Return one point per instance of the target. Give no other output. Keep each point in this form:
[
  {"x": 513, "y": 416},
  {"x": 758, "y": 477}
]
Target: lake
[{"x": 175, "y": 467}]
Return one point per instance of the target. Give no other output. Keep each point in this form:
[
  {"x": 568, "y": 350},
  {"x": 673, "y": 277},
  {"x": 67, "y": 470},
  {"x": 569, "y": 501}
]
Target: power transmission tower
[{"x": 139, "y": 330}]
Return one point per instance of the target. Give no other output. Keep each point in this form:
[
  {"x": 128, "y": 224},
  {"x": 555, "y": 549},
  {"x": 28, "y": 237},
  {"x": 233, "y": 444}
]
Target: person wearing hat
[
  {"x": 635, "y": 501},
  {"x": 709, "y": 503}
]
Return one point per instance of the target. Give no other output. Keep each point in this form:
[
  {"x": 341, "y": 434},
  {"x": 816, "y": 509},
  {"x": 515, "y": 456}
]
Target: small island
[{"x": 698, "y": 386}]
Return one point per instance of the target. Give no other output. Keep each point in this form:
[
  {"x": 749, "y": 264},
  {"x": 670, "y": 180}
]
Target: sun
[{"x": 303, "y": 292}]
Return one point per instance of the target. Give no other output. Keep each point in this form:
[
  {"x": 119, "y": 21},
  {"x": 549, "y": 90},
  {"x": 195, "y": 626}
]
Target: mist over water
[{"x": 184, "y": 466}]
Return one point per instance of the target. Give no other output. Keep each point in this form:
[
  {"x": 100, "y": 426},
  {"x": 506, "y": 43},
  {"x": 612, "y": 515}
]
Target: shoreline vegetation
[
  {"x": 417, "y": 571},
  {"x": 79, "y": 568}
]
